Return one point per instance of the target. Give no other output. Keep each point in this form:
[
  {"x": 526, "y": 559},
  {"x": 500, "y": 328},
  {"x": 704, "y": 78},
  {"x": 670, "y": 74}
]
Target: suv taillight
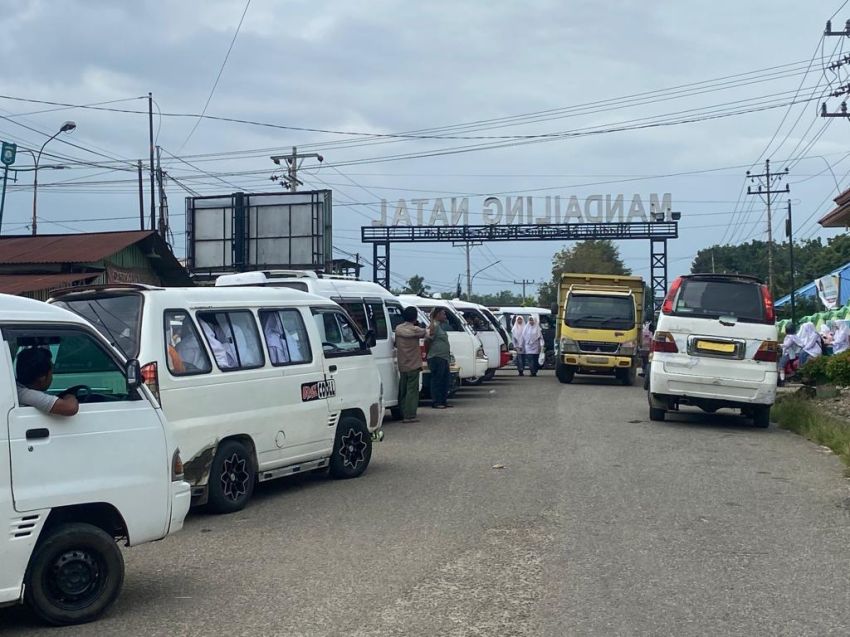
[
  {"x": 768, "y": 352},
  {"x": 150, "y": 377},
  {"x": 667, "y": 306},
  {"x": 767, "y": 301},
  {"x": 663, "y": 342}
]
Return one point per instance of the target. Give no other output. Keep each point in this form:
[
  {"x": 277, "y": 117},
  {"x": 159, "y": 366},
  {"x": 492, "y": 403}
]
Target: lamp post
[
  {"x": 67, "y": 127},
  {"x": 479, "y": 272}
]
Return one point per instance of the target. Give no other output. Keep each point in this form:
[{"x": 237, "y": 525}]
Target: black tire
[
  {"x": 656, "y": 415},
  {"x": 232, "y": 478},
  {"x": 627, "y": 376},
  {"x": 761, "y": 416},
  {"x": 490, "y": 374},
  {"x": 352, "y": 449},
  {"x": 74, "y": 575},
  {"x": 473, "y": 382},
  {"x": 564, "y": 373},
  {"x": 395, "y": 412}
]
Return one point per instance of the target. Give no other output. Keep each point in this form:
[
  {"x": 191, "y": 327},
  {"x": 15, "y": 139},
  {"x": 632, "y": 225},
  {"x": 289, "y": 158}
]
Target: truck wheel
[
  {"x": 564, "y": 373},
  {"x": 627, "y": 376},
  {"x": 75, "y": 573},
  {"x": 232, "y": 478},
  {"x": 352, "y": 448},
  {"x": 761, "y": 416}
]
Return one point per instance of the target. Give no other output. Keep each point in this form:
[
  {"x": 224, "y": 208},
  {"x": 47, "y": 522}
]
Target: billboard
[
  {"x": 829, "y": 288},
  {"x": 259, "y": 231}
]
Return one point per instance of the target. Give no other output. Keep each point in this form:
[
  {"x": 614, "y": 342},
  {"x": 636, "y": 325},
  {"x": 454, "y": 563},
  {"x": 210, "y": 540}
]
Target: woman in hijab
[
  {"x": 809, "y": 341},
  {"x": 790, "y": 352},
  {"x": 532, "y": 340},
  {"x": 825, "y": 331},
  {"x": 516, "y": 335},
  {"x": 841, "y": 340}
]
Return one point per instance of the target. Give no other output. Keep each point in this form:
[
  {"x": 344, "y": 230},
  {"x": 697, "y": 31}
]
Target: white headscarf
[
  {"x": 809, "y": 339},
  {"x": 531, "y": 336},
  {"x": 841, "y": 340},
  {"x": 516, "y": 332}
]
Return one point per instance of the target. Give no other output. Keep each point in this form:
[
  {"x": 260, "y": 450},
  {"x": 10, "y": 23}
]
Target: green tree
[
  {"x": 416, "y": 285},
  {"x": 586, "y": 257}
]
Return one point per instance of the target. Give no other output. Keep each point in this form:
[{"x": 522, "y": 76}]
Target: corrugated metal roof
[
  {"x": 67, "y": 248},
  {"x": 21, "y": 283}
]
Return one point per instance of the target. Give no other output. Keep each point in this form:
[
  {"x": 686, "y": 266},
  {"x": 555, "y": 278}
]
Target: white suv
[{"x": 715, "y": 345}]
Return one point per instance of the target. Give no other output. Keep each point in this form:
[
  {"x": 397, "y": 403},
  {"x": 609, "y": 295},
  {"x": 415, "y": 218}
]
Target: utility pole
[
  {"x": 141, "y": 198},
  {"x": 292, "y": 165},
  {"x": 790, "y": 234},
  {"x": 523, "y": 283},
  {"x": 150, "y": 139},
  {"x": 163, "y": 201},
  {"x": 765, "y": 191}
]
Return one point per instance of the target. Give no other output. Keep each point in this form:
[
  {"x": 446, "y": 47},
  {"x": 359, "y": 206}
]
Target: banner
[{"x": 828, "y": 290}]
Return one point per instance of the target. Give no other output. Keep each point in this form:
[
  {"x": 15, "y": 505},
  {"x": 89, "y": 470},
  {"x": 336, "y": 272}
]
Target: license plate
[
  {"x": 598, "y": 360},
  {"x": 713, "y": 346}
]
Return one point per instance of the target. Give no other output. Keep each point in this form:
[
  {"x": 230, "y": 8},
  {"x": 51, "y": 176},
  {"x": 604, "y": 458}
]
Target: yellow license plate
[{"x": 712, "y": 346}]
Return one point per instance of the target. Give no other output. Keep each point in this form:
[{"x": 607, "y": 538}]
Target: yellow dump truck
[{"x": 599, "y": 326}]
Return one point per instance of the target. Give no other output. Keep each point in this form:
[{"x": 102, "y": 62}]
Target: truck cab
[{"x": 599, "y": 327}]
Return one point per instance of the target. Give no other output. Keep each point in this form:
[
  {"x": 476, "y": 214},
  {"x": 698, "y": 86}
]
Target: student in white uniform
[
  {"x": 276, "y": 339},
  {"x": 223, "y": 355}
]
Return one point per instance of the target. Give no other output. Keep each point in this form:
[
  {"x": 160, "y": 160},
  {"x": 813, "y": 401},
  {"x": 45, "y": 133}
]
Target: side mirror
[
  {"x": 370, "y": 340},
  {"x": 554, "y": 309},
  {"x": 133, "y": 372}
]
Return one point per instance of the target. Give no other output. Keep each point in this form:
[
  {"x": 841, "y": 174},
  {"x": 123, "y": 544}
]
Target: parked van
[
  {"x": 466, "y": 347},
  {"x": 370, "y": 306},
  {"x": 715, "y": 346},
  {"x": 71, "y": 487},
  {"x": 258, "y": 383},
  {"x": 495, "y": 347}
]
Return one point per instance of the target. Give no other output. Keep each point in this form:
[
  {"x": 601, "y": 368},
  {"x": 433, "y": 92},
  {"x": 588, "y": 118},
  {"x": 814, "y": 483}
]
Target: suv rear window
[
  {"x": 713, "y": 298},
  {"x": 117, "y": 317}
]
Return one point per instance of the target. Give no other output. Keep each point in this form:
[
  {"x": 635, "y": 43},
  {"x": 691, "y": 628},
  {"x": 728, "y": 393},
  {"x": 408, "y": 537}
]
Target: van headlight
[{"x": 568, "y": 346}]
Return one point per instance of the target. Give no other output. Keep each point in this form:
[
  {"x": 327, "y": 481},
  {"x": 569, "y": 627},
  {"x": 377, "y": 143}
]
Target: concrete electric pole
[
  {"x": 766, "y": 191},
  {"x": 292, "y": 165}
]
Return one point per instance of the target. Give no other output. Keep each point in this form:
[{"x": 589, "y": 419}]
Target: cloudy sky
[{"x": 392, "y": 66}]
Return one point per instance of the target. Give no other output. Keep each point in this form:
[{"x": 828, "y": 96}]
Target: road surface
[{"x": 532, "y": 508}]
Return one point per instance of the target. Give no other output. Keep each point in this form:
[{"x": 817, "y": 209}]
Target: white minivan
[
  {"x": 258, "y": 383},
  {"x": 466, "y": 347},
  {"x": 72, "y": 487},
  {"x": 715, "y": 346},
  {"x": 487, "y": 330},
  {"x": 370, "y": 306}
]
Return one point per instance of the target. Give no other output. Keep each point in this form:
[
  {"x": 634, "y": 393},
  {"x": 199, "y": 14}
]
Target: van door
[
  {"x": 384, "y": 350},
  {"x": 350, "y": 367},
  {"x": 114, "y": 450}
]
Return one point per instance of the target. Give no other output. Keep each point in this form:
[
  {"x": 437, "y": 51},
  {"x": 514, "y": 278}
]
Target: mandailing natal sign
[{"x": 510, "y": 210}]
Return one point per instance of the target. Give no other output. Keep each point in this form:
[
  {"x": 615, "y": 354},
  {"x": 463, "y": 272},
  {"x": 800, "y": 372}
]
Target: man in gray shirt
[{"x": 34, "y": 372}]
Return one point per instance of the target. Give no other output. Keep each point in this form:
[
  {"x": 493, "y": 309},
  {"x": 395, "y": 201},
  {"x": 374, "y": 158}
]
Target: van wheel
[
  {"x": 565, "y": 374},
  {"x": 232, "y": 478},
  {"x": 474, "y": 382},
  {"x": 761, "y": 416},
  {"x": 352, "y": 448},
  {"x": 490, "y": 374},
  {"x": 74, "y": 575}
]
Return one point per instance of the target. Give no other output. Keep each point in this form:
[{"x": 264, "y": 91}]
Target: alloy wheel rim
[{"x": 234, "y": 477}]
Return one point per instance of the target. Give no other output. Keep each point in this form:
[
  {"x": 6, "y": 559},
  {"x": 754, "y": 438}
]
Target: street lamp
[
  {"x": 477, "y": 273},
  {"x": 67, "y": 127}
]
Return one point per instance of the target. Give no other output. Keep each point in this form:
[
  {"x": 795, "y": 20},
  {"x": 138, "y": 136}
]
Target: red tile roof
[
  {"x": 67, "y": 248},
  {"x": 21, "y": 283}
]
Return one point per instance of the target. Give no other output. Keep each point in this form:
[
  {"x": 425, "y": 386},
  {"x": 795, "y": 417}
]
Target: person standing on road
[
  {"x": 439, "y": 357},
  {"x": 532, "y": 342},
  {"x": 409, "y": 358},
  {"x": 516, "y": 334}
]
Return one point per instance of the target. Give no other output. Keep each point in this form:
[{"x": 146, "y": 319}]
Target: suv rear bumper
[{"x": 712, "y": 388}]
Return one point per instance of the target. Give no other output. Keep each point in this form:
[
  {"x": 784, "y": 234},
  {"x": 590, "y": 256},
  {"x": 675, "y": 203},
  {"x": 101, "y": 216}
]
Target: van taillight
[
  {"x": 667, "y": 306},
  {"x": 663, "y": 342},
  {"x": 768, "y": 352},
  {"x": 767, "y": 301},
  {"x": 176, "y": 466},
  {"x": 150, "y": 377}
]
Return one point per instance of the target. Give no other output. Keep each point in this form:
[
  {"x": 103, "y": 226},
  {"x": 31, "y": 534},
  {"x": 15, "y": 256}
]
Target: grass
[{"x": 807, "y": 418}]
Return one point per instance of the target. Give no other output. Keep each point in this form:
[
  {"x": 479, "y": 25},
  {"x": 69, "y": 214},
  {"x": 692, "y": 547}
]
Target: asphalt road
[{"x": 599, "y": 523}]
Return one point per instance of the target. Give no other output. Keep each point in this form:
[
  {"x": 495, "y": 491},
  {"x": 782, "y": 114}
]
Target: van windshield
[
  {"x": 117, "y": 317},
  {"x": 712, "y": 298},
  {"x": 600, "y": 312}
]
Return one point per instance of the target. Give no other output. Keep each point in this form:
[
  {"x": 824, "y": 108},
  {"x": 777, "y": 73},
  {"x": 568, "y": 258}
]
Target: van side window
[
  {"x": 78, "y": 359},
  {"x": 477, "y": 321},
  {"x": 377, "y": 319},
  {"x": 184, "y": 352},
  {"x": 286, "y": 337},
  {"x": 396, "y": 318},
  {"x": 233, "y": 339},
  {"x": 338, "y": 333},
  {"x": 357, "y": 313}
]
